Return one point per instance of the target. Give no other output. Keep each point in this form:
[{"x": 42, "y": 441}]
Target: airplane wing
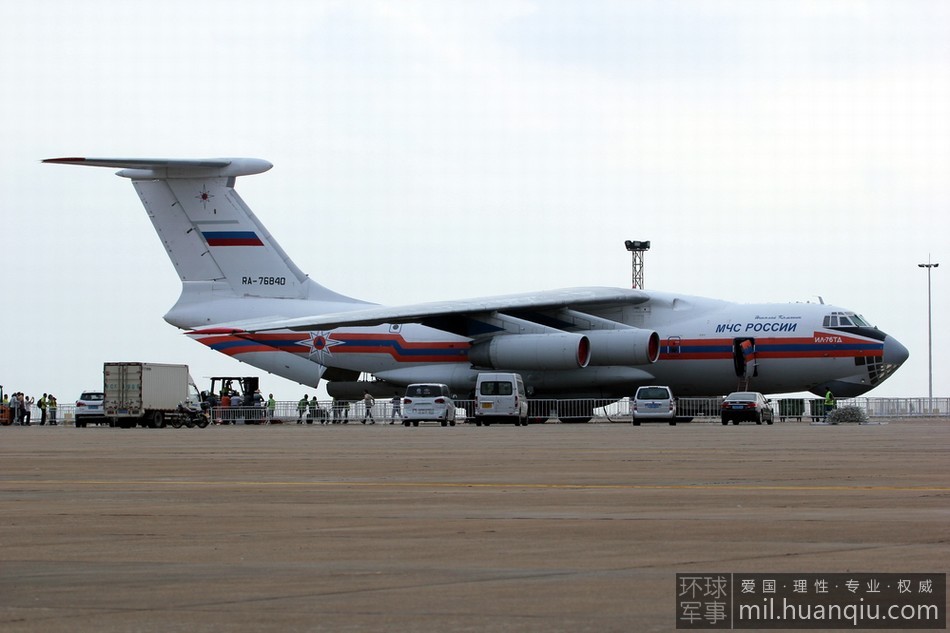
[
  {"x": 576, "y": 298},
  {"x": 557, "y": 329}
]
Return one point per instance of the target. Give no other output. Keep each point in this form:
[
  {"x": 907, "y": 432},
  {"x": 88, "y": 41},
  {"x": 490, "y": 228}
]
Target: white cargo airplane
[{"x": 244, "y": 297}]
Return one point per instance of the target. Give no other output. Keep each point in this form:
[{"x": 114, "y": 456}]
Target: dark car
[{"x": 746, "y": 406}]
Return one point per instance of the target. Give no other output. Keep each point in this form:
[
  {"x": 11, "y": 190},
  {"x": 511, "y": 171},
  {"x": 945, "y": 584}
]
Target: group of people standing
[
  {"x": 230, "y": 406},
  {"x": 311, "y": 408},
  {"x": 19, "y": 408},
  {"x": 341, "y": 410},
  {"x": 369, "y": 402}
]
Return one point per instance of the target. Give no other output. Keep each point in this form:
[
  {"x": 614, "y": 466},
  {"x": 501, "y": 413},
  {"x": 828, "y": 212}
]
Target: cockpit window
[{"x": 845, "y": 319}]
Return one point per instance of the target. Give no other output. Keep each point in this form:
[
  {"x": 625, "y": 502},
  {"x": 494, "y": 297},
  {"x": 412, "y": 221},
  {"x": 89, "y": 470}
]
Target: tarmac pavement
[{"x": 549, "y": 527}]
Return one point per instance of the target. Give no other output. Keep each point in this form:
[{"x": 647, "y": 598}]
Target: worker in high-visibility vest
[
  {"x": 271, "y": 407},
  {"x": 829, "y": 403}
]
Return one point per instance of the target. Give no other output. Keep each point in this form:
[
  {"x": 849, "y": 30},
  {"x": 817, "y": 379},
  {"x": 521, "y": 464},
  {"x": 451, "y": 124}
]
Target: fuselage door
[
  {"x": 743, "y": 357},
  {"x": 673, "y": 345}
]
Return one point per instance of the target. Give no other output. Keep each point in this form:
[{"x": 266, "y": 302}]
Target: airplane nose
[{"x": 894, "y": 352}]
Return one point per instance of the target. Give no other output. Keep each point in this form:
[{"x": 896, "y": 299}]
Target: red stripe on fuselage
[
  {"x": 818, "y": 345},
  {"x": 394, "y": 345}
]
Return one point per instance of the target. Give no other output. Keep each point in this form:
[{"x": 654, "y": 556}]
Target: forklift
[{"x": 241, "y": 390}]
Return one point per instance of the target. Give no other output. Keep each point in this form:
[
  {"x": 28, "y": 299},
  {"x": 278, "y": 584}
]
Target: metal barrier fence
[
  {"x": 385, "y": 412},
  {"x": 567, "y": 410},
  {"x": 901, "y": 407}
]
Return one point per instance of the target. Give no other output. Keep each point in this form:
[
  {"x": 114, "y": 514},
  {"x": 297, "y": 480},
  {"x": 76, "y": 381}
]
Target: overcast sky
[{"x": 771, "y": 151}]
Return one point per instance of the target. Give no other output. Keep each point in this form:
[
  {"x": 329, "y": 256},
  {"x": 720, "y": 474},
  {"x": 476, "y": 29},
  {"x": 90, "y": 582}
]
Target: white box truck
[{"x": 147, "y": 394}]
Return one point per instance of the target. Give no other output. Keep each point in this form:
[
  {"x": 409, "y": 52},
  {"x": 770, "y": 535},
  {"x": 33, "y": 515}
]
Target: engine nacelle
[
  {"x": 532, "y": 351},
  {"x": 627, "y": 347}
]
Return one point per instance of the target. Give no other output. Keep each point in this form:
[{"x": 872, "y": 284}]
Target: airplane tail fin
[{"x": 218, "y": 246}]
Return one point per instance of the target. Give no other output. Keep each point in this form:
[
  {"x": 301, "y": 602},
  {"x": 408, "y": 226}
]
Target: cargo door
[
  {"x": 122, "y": 384},
  {"x": 743, "y": 357}
]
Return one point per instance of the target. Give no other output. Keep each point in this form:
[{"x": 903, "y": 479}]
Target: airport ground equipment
[
  {"x": 245, "y": 401},
  {"x": 147, "y": 394},
  {"x": 239, "y": 388}
]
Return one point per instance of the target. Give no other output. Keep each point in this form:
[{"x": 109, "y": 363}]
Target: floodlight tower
[
  {"x": 637, "y": 249},
  {"x": 930, "y": 339}
]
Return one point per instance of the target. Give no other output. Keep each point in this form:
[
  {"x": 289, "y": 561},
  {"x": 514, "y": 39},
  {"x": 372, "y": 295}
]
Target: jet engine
[
  {"x": 627, "y": 347},
  {"x": 532, "y": 351}
]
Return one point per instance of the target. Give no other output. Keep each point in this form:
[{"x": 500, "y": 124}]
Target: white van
[
  {"x": 653, "y": 403},
  {"x": 500, "y": 397}
]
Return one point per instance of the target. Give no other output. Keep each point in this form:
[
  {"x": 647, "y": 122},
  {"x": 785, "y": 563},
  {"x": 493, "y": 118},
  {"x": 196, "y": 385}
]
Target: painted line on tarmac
[{"x": 463, "y": 484}]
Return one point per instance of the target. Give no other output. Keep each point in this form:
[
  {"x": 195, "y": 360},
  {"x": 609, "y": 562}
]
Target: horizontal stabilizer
[{"x": 172, "y": 167}]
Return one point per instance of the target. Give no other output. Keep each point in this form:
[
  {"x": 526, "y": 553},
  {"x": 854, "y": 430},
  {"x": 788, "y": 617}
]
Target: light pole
[
  {"x": 637, "y": 249},
  {"x": 930, "y": 340}
]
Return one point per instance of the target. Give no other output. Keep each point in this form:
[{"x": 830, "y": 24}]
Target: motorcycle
[{"x": 191, "y": 416}]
